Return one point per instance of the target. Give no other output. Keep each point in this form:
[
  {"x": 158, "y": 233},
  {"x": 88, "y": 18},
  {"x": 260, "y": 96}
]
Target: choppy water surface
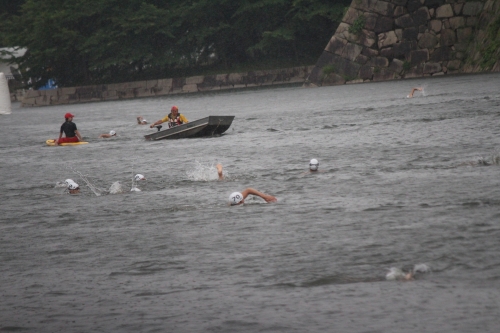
[{"x": 402, "y": 182}]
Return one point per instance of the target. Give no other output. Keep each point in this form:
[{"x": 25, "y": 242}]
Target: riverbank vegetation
[{"x": 84, "y": 42}]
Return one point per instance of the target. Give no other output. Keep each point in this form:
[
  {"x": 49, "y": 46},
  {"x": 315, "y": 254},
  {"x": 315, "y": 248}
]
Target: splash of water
[
  {"x": 204, "y": 172},
  {"x": 398, "y": 274},
  {"x": 395, "y": 274},
  {"x": 96, "y": 190},
  {"x": 116, "y": 188}
]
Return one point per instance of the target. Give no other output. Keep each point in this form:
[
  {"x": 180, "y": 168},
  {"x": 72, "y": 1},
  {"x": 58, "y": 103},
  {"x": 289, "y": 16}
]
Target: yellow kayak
[{"x": 51, "y": 142}]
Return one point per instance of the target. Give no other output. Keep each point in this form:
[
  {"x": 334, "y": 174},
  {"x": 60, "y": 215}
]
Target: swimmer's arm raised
[{"x": 266, "y": 197}]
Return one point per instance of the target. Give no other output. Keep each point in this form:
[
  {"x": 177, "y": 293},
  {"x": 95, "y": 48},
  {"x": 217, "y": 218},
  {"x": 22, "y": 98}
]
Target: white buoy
[{"x": 5, "y": 105}]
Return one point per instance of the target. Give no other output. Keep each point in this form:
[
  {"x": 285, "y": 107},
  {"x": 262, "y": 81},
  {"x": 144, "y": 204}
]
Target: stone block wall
[
  {"x": 392, "y": 39},
  {"x": 162, "y": 87}
]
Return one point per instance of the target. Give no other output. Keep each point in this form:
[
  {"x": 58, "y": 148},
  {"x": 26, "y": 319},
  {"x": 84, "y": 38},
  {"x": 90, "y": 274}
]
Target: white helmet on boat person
[{"x": 313, "y": 165}]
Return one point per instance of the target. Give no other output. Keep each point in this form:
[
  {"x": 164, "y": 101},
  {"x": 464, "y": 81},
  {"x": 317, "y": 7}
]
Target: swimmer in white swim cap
[
  {"x": 314, "y": 165},
  {"x": 108, "y": 135},
  {"x": 237, "y": 198},
  {"x": 72, "y": 186},
  {"x": 139, "y": 177},
  {"x": 141, "y": 121}
]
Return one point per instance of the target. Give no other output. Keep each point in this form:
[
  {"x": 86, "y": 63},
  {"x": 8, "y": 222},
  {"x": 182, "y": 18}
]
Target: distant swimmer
[
  {"x": 413, "y": 91},
  {"x": 397, "y": 274},
  {"x": 73, "y": 187},
  {"x": 70, "y": 131},
  {"x": 174, "y": 118},
  {"x": 237, "y": 198},
  {"x": 139, "y": 177},
  {"x": 141, "y": 121},
  {"x": 313, "y": 165},
  {"x": 219, "y": 171},
  {"x": 108, "y": 135}
]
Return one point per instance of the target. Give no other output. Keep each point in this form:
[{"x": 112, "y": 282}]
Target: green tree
[{"x": 81, "y": 42}]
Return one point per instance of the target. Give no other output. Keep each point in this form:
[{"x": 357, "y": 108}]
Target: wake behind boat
[{"x": 205, "y": 127}]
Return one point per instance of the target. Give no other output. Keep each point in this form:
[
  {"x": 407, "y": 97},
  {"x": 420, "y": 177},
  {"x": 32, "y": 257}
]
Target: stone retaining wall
[
  {"x": 393, "y": 39},
  {"x": 164, "y": 87}
]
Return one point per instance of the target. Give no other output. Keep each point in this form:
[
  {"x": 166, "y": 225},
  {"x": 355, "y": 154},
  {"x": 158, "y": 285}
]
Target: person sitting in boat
[
  {"x": 174, "y": 118},
  {"x": 70, "y": 131},
  {"x": 108, "y": 135},
  {"x": 141, "y": 120},
  {"x": 237, "y": 198}
]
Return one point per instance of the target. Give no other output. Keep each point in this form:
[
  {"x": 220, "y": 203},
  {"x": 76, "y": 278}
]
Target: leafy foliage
[
  {"x": 358, "y": 25},
  {"x": 81, "y": 42}
]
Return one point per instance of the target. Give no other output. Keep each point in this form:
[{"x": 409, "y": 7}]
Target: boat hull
[{"x": 205, "y": 127}]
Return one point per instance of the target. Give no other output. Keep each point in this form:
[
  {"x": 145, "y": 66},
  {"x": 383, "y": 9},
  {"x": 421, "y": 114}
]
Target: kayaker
[
  {"x": 108, "y": 135},
  {"x": 237, "y": 198},
  {"x": 70, "y": 131},
  {"x": 174, "y": 118},
  {"x": 141, "y": 120}
]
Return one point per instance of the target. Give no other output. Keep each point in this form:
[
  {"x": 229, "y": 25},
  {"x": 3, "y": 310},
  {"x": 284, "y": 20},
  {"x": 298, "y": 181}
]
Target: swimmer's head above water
[
  {"x": 314, "y": 165},
  {"x": 72, "y": 186},
  {"x": 236, "y": 198}
]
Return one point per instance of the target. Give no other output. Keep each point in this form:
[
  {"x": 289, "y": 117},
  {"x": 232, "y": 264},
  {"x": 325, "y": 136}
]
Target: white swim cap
[
  {"x": 314, "y": 164},
  {"x": 144, "y": 120},
  {"x": 69, "y": 181},
  {"x": 139, "y": 177},
  {"x": 112, "y": 133},
  {"x": 73, "y": 186},
  {"x": 235, "y": 198}
]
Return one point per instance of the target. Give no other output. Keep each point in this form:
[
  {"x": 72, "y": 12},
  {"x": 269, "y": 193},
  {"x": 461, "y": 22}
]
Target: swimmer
[
  {"x": 141, "y": 121},
  {"x": 313, "y": 165},
  {"x": 136, "y": 178},
  {"x": 237, "y": 198},
  {"x": 73, "y": 187},
  {"x": 219, "y": 171},
  {"x": 400, "y": 275},
  {"x": 139, "y": 177},
  {"x": 413, "y": 91},
  {"x": 106, "y": 135}
]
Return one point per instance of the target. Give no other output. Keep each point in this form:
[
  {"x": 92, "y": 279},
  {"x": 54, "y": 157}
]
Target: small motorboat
[{"x": 205, "y": 127}]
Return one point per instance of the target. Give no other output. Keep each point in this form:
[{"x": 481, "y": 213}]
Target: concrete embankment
[
  {"x": 395, "y": 39},
  {"x": 162, "y": 87}
]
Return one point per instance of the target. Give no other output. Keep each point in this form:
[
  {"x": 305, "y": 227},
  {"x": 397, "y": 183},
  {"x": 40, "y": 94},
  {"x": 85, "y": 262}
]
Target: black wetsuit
[{"x": 69, "y": 129}]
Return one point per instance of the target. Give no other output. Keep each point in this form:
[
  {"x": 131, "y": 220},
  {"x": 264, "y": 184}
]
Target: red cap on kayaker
[
  {"x": 68, "y": 115},
  {"x": 174, "y": 108}
]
